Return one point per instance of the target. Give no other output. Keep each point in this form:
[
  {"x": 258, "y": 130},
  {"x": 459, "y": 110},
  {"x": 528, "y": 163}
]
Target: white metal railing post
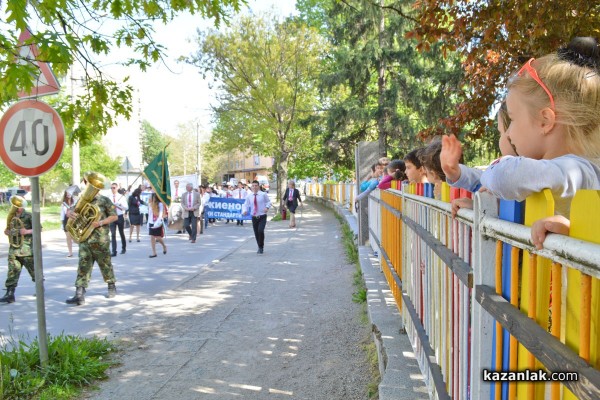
[{"x": 484, "y": 249}]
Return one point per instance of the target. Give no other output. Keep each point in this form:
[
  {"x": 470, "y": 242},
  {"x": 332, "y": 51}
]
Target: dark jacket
[
  {"x": 296, "y": 197},
  {"x": 134, "y": 205}
]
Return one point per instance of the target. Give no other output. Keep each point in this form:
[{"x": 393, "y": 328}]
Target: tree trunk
[
  {"x": 383, "y": 117},
  {"x": 282, "y": 168}
]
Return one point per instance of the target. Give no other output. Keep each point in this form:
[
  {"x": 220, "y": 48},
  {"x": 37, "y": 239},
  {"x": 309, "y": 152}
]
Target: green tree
[
  {"x": 377, "y": 85},
  {"x": 183, "y": 154},
  {"x": 494, "y": 39},
  {"x": 266, "y": 72},
  {"x": 152, "y": 142},
  {"x": 74, "y": 33}
]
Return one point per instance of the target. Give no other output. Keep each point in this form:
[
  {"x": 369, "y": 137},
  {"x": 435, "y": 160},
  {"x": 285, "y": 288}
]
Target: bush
[{"x": 74, "y": 362}]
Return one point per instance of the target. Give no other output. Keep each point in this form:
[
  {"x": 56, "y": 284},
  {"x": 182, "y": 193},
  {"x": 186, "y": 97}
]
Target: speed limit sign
[{"x": 32, "y": 138}]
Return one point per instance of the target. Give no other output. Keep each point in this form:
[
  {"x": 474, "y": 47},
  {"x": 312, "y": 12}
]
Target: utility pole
[
  {"x": 76, "y": 163},
  {"x": 198, "y": 171}
]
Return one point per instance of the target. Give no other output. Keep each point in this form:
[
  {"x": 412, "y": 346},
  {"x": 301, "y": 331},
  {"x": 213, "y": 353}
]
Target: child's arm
[
  {"x": 458, "y": 175},
  {"x": 450, "y": 157},
  {"x": 463, "y": 202},
  {"x": 515, "y": 178},
  {"x": 555, "y": 224}
]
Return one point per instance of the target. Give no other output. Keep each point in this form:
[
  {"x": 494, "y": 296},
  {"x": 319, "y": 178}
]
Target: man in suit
[
  {"x": 257, "y": 204},
  {"x": 291, "y": 199},
  {"x": 190, "y": 201}
]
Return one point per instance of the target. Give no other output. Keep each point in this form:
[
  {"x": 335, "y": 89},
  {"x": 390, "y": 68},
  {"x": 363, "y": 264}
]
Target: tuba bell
[
  {"x": 13, "y": 223},
  {"x": 81, "y": 227}
]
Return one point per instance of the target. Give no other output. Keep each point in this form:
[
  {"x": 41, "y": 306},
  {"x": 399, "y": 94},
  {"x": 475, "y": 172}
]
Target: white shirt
[
  {"x": 120, "y": 202},
  {"x": 262, "y": 200},
  {"x": 205, "y": 199},
  {"x": 240, "y": 193},
  {"x": 151, "y": 214}
]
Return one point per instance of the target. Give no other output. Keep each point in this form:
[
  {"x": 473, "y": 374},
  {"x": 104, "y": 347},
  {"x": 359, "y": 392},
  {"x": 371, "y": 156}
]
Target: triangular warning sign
[{"x": 45, "y": 82}]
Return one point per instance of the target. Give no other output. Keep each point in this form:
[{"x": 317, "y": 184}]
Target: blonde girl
[{"x": 554, "y": 106}]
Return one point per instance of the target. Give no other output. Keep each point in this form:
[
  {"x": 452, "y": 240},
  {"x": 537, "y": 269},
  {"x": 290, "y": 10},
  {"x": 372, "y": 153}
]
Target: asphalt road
[{"x": 139, "y": 278}]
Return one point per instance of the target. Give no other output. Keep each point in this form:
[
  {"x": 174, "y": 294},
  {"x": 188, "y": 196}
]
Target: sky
[{"x": 175, "y": 93}]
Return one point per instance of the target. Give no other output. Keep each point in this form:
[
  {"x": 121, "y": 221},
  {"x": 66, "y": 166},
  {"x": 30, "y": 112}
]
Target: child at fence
[
  {"x": 554, "y": 106},
  {"x": 395, "y": 171},
  {"x": 430, "y": 159},
  {"x": 382, "y": 164},
  {"x": 415, "y": 172},
  {"x": 375, "y": 172},
  {"x": 472, "y": 176}
]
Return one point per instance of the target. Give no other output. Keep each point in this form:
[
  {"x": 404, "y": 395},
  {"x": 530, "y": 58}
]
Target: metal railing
[{"x": 476, "y": 295}]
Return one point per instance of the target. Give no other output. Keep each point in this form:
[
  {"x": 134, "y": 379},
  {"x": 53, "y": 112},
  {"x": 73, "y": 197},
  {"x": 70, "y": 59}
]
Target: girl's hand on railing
[
  {"x": 457, "y": 204},
  {"x": 450, "y": 157},
  {"x": 541, "y": 227}
]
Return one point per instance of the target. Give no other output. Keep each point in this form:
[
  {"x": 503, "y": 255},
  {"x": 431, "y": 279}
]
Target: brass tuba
[
  {"x": 81, "y": 227},
  {"x": 14, "y": 224}
]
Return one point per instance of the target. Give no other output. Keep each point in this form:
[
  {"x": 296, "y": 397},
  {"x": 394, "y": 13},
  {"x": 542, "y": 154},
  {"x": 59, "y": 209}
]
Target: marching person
[
  {"x": 135, "y": 217},
  {"x": 67, "y": 204},
  {"x": 120, "y": 204},
  {"x": 190, "y": 201},
  {"x": 205, "y": 198},
  {"x": 19, "y": 230},
  {"x": 291, "y": 198},
  {"x": 240, "y": 193},
  {"x": 94, "y": 242},
  {"x": 156, "y": 224},
  {"x": 257, "y": 204}
]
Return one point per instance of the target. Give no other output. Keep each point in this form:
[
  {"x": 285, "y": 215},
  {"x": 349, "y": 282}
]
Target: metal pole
[
  {"x": 198, "y": 154},
  {"x": 76, "y": 161},
  {"x": 39, "y": 271}
]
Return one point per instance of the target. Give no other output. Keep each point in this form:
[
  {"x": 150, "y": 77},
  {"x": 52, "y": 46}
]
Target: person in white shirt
[
  {"x": 257, "y": 204},
  {"x": 240, "y": 193},
  {"x": 120, "y": 203},
  {"x": 205, "y": 198}
]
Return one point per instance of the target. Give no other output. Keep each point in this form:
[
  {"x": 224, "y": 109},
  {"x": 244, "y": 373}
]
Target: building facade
[{"x": 240, "y": 166}]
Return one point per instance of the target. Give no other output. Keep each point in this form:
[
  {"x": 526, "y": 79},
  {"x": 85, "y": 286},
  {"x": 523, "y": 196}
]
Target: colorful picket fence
[{"x": 475, "y": 294}]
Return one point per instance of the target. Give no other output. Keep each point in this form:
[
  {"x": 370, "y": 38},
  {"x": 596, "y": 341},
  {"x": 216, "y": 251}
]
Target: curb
[{"x": 401, "y": 377}]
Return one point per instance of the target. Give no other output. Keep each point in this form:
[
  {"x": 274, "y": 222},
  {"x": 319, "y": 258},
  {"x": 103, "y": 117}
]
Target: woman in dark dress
[
  {"x": 135, "y": 218},
  {"x": 291, "y": 198}
]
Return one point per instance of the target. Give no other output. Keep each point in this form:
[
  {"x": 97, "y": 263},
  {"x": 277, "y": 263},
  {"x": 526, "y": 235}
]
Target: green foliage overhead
[
  {"x": 375, "y": 81},
  {"x": 266, "y": 73},
  {"x": 76, "y": 32},
  {"x": 152, "y": 142}
]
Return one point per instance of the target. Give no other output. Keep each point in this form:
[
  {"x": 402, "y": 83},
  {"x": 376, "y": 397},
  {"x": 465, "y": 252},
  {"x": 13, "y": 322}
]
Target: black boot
[
  {"x": 79, "y": 297},
  {"x": 9, "y": 297},
  {"x": 112, "y": 290}
]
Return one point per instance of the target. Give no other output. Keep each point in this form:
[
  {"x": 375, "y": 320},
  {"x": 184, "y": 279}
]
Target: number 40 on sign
[{"x": 32, "y": 138}]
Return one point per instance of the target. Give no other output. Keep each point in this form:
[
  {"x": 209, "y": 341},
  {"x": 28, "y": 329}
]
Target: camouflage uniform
[
  {"x": 21, "y": 257},
  {"x": 97, "y": 247}
]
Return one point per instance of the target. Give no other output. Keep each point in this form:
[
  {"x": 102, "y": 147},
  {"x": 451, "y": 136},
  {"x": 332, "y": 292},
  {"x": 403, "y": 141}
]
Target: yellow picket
[
  {"x": 585, "y": 225},
  {"x": 537, "y": 206}
]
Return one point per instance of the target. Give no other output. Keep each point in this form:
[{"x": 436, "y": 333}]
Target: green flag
[{"x": 157, "y": 173}]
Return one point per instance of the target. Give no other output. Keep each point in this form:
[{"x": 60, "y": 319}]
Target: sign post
[{"x": 32, "y": 139}]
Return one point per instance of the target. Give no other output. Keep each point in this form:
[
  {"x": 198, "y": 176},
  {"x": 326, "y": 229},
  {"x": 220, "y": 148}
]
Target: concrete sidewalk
[{"x": 281, "y": 325}]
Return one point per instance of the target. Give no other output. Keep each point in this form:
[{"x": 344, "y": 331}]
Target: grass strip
[{"x": 74, "y": 363}]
